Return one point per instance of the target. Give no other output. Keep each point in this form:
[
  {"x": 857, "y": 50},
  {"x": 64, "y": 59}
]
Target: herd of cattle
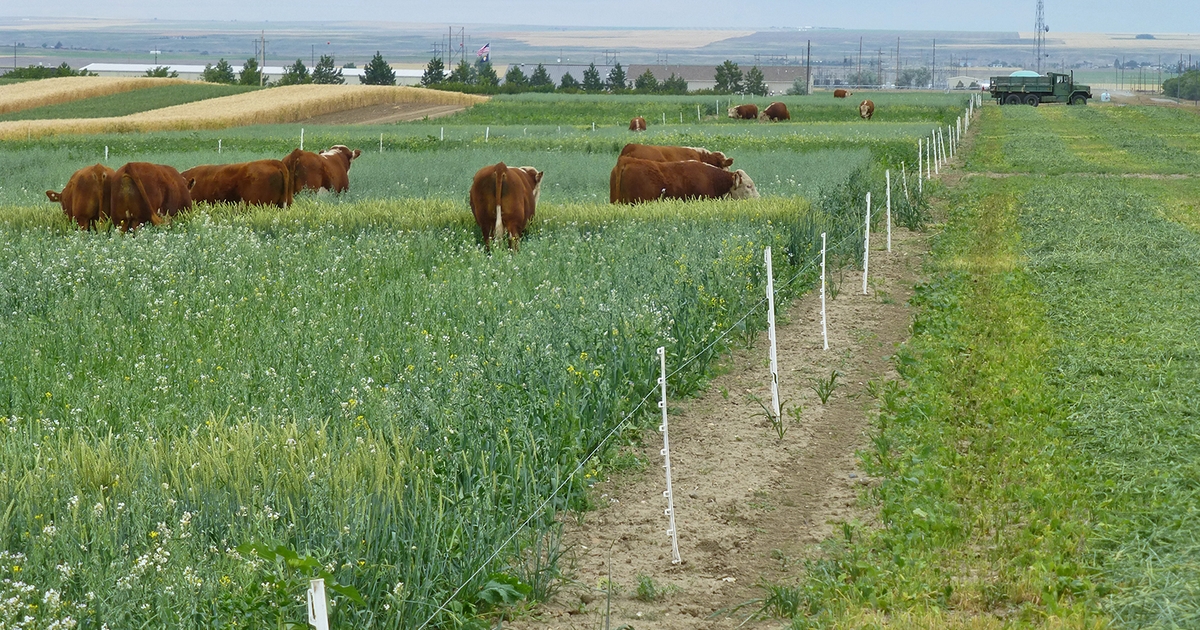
[{"x": 141, "y": 192}]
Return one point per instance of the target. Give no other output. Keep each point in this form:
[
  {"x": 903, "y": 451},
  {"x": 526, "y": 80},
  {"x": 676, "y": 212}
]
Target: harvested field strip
[
  {"x": 30, "y": 94},
  {"x": 1121, "y": 285},
  {"x": 276, "y": 105},
  {"x": 132, "y": 102}
]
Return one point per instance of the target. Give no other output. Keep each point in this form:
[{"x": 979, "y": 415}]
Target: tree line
[{"x": 376, "y": 72}]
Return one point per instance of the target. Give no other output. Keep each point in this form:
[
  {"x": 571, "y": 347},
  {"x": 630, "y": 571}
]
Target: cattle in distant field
[
  {"x": 840, "y": 93},
  {"x": 503, "y": 199},
  {"x": 866, "y": 109},
  {"x": 327, "y": 170},
  {"x": 744, "y": 112},
  {"x": 637, "y": 124},
  {"x": 775, "y": 111},
  {"x": 141, "y": 192},
  {"x": 635, "y": 180},
  {"x": 258, "y": 183},
  {"x": 666, "y": 154},
  {"x": 85, "y": 197}
]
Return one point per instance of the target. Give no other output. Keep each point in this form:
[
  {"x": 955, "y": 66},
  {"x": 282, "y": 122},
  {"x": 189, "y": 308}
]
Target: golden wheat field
[
  {"x": 20, "y": 96},
  {"x": 276, "y": 105}
]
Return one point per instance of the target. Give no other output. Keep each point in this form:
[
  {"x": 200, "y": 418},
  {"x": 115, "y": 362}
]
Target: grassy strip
[
  {"x": 18, "y": 95},
  {"x": 983, "y": 504},
  {"x": 1122, "y": 285},
  {"x": 129, "y": 102}
]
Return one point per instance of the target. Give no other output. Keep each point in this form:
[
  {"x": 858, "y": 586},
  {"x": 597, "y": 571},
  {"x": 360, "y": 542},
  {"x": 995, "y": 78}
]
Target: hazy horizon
[{"x": 1077, "y": 16}]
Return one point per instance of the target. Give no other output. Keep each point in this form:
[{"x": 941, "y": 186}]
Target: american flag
[{"x": 484, "y": 52}]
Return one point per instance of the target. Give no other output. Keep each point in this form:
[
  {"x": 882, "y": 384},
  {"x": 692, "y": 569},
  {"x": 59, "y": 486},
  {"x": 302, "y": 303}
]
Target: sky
[{"x": 1121, "y": 16}]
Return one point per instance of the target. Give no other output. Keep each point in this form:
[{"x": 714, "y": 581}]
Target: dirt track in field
[
  {"x": 750, "y": 506},
  {"x": 384, "y": 114}
]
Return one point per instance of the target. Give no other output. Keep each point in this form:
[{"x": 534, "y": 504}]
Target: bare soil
[
  {"x": 385, "y": 113},
  {"x": 749, "y": 506}
]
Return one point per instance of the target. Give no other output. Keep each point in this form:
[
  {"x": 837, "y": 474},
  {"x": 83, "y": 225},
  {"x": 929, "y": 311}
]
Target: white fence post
[
  {"x": 824, "y": 329},
  {"x": 318, "y": 613},
  {"x": 771, "y": 327},
  {"x": 664, "y": 114},
  {"x": 937, "y": 159},
  {"x": 218, "y": 146},
  {"x": 106, "y": 153},
  {"x": 442, "y": 136},
  {"x": 487, "y": 132},
  {"x": 302, "y": 138},
  {"x": 867, "y": 243},
  {"x": 666, "y": 453},
  {"x": 697, "y": 112},
  {"x": 888, "y": 174},
  {"x": 904, "y": 178}
]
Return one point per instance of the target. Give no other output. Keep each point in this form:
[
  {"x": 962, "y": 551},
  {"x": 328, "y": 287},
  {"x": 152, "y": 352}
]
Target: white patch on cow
[
  {"x": 733, "y": 112},
  {"x": 537, "y": 183},
  {"x": 743, "y": 187}
]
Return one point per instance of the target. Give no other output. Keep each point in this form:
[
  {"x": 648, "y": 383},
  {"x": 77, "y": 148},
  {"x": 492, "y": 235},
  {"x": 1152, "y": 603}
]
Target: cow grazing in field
[
  {"x": 635, "y": 180},
  {"x": 744, "y": 112},
  {"x": 666, "y": 154},
  {"x": 637, "y": 124},
  {"x": 141, "y": 192},
  {"x": 840, "y": 93},
  {"x": 775, "y": 111},
  {"x": 85, "y": 197},
  {"x": 327, "y": 170},
  {"x": 503, "y": 200},
  {"x": 866, "y": 109},
  {"x": 258, "y": 183}
]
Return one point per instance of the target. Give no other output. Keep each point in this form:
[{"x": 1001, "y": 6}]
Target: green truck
[{"x": 1052, "y": 87}]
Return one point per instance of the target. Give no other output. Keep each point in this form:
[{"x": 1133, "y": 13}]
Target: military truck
[{"x": 1052, "y": 87}]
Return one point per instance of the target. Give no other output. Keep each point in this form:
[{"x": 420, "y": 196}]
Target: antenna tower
[{"x": 1040, "y": 29}]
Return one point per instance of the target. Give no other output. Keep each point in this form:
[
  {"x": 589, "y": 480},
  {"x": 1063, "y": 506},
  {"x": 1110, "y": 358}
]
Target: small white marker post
[
  {"x": 318, "y": 612},
  {"x": 666, "y": 453},
  {"x": 664, "y": 115},
  {"x": 824, "y": 330},
  {"x": 771, "y": 336},
  {"x": 681, "y": 118},
  {"x": 937, "y": 158},
  {"x": 442, "y": 136},
  {"x": 888, "y": 174},
  {"x": 920, "y": 156},
  {"x": 866, "y": 243},
  {"x": 697, "y": 113},
  {"x": 218, "y": 146},
  {"x": 904, "y": 178},
  {"x": 302, "y": 138},
  {"x": 106, "y": 153},
  {"x": 381, "y": 143},
  {"x": 593, "y": 125},
  {"x": 487, "y": 132}
]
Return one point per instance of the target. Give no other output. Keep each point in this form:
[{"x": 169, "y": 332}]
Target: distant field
[
  {"x": 126, "y": 103},
  {"x": 19, "y": 95}
]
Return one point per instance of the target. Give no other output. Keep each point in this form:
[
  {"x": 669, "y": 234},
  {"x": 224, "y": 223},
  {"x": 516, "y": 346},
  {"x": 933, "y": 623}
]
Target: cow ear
[
  {"x": 55, "y": 197},
  {"x": 538, "y": 177},
  {"x": 357, "y": 152},
  {"x": 728, "y": 162},
  {"x": 191, "y": 182}
]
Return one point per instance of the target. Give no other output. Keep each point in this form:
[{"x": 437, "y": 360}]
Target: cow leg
[{"x": 157, "y": 219}]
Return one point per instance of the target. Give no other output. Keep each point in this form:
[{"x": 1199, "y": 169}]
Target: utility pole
[
  {"x": 897, "y": 61},
  {"x": 807, "y": 68},
  {"x": 858, "y": 79},
  {"x": 933, "y": 70},
  {"x": 879, "y": 69},
  {"x": 262, "y": 68}
]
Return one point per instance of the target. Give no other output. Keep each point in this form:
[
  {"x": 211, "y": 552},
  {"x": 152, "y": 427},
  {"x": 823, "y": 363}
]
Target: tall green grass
[{"x": 127, "y": 103}]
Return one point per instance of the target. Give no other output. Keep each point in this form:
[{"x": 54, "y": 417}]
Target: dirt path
[
  {"x": 749, "y": 505},
  {"x": 384, "y": 114}
]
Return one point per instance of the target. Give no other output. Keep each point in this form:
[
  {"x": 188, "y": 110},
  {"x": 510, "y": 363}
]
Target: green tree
[
  {"x": 157, "y": 71},
  {"x": 729, "y": 78},
  {"x": 863, "y": 78},
  {"x": 540, "y": 78},
  {"x": 220, "y": 73},
  {"x": 250, "y": 74},
  {"x": 378, "y": 72},
  {"x": 325, "y": 73},
  {"x": 645, "y": 82},
  {"x": 569, "y": 83},
  {"x": 799, "y": 87},
  {"x": 591, "y": 79},
  {"x": 1185, "y": 86},
  {"x": 486, "y": 75},
  {"x": 435, "y": 72},
  {"x": 616, "y": 81},
  {"x": 43, "y": 72},
  {"x": 295, "y": 74},
  {"x": 515, "y": 77},
  {"x": 673, "y": 85},
  {"x": 913, "y": 77},
  {"x": 461, "y": 73},
  {"x": 755, "y": 82}
]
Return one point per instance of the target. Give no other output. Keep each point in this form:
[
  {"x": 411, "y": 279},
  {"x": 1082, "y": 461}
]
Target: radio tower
[{"x": 1040, "y": 29}]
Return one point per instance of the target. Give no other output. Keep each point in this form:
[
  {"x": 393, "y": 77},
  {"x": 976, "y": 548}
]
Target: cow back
[
  {"x": 85, "y": 198},
  {"x": 636, "y": 180},
  {"x": 142, "y": 192},
  {"x": 776, "y": 111},
  {"x": 676, "y": 154}
]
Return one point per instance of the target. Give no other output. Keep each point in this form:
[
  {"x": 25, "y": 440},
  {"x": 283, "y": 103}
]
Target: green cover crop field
[
  {"x": 353, "y": 379},
  {"x": 128, "y": 102}
]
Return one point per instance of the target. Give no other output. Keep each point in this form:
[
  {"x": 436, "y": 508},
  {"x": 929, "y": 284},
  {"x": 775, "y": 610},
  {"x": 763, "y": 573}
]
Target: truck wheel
[
  {"x": 1012, "y": 99},
  {"x": 1032, "y": 99},
  {"x": 1078, "y": 99}
]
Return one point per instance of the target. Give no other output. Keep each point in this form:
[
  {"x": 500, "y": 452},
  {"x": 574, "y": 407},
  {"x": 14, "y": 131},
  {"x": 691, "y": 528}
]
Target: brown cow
[
  {"x": 85, "y": 197},
  {"x": 261, "y": 183},
  {"x": 866, "y": 109},
  {"x": 775, "y": 111},
  {"x": 840, "y": 93},
  {"x": 666, "y": 154},
  {"x": 637, "y": 124},
  {"x": 503, "y": 199},
  {"x": 637, "y": 180},
  {"x": 141, "y": 192},
  {"x": 744, "y": 112},
  {"x": 329, "y": 170}
]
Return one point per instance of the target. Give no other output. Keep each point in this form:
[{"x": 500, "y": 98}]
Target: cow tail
[
  {"x": 145, "y": 199},
  {"x": 498, "y": 231}
]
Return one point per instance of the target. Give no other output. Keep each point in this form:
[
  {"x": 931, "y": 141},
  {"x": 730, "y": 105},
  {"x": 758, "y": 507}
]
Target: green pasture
[{"x": 130, "y": 102}]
